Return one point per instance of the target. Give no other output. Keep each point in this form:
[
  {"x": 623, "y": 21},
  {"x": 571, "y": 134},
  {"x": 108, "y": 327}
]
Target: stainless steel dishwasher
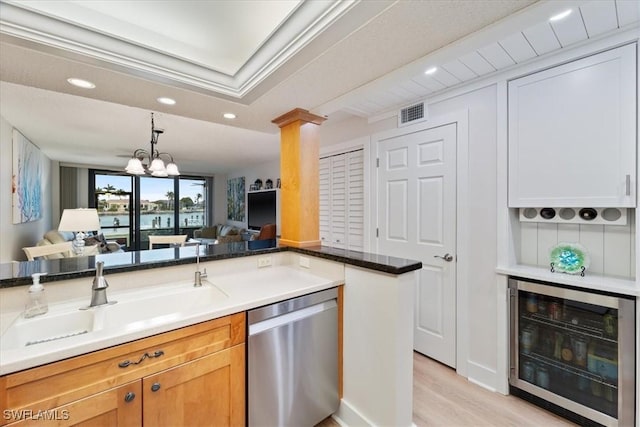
[{"x": 293, "y": 361}]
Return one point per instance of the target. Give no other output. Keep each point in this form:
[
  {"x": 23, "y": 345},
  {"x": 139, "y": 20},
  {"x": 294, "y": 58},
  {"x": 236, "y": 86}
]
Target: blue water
[{"x": 153, "y": 220}]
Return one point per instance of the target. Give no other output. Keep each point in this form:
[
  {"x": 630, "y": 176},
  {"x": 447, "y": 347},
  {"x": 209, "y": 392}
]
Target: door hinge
[
  {"x": 377, "y": 232},
  {"x": 377, "y": 162}
]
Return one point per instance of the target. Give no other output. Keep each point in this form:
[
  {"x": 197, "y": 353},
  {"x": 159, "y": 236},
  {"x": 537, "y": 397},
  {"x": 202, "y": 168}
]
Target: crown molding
[{"x": 23, "y": 26}]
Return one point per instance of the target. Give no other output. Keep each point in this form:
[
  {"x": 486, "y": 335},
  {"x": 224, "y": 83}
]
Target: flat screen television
[{"x": 261, "y": 209}]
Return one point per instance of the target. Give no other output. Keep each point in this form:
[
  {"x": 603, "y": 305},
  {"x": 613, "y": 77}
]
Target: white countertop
[
  {"x": 245, "y": 291},
  {"x": 590, "y": 281}
]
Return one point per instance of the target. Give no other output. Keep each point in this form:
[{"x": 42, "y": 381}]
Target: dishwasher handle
[
  {"x": 294, "y": 304},
  {"x": 291, "y": 317}
]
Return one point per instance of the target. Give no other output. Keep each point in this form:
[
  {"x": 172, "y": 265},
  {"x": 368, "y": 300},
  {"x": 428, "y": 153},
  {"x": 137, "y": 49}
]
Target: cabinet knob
[
  {"x": 155, "y": 387},
  {"x": 129, "y": 397}
]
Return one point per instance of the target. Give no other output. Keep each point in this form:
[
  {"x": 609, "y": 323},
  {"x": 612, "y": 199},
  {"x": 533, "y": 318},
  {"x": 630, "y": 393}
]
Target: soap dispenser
[{"x": 37, "y": 302}]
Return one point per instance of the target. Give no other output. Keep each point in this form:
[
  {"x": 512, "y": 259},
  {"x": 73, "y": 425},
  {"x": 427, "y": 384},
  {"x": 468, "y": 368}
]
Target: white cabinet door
[{"x": 572, "y": 133}]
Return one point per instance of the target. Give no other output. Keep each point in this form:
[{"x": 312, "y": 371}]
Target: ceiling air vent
[{"x": 411, "y": 114}]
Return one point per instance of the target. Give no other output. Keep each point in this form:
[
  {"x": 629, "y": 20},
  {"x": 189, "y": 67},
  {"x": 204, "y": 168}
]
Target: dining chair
[
  {"x": 178, "y": 239},
  {"x": 63, "y": 250},
  {"x": 267, "y": 231}
]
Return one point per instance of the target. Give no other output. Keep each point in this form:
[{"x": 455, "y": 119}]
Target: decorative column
[{"x": 299, "y": 194}]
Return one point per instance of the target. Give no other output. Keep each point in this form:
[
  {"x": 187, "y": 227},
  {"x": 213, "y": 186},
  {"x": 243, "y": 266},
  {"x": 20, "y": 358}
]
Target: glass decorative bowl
[{"x": 571, "y": 258}]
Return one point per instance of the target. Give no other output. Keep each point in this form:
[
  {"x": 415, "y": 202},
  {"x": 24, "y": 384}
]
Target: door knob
[
  {"x": 155, "y": 387},
  {"x": 129, "y": 397},
  {"x": 446, "y": 257}
]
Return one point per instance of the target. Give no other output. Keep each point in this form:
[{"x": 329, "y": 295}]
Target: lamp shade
[
  {"x": 79, "y": 220},
  {"x": 172, "y": 169},
  {"x": 134, "y": 166}
]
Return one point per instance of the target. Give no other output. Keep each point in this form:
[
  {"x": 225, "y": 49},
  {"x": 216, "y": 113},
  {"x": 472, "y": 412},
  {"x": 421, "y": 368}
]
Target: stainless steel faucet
[
  {"x": 99, "y": 288},
  {"x": 199, "y": 275}
]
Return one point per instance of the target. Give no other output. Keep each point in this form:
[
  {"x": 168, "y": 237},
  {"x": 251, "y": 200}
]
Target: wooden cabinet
[
  {"x": 572, "y": 133},
  {"x": 198, "y": 368},
  {"x": 342, "y": 200},
  {"x": 205, "y": 392}
]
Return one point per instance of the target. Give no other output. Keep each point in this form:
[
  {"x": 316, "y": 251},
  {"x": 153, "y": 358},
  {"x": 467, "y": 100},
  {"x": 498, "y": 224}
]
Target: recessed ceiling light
[
  {"x": 81, "y": 83},
  {"x": 166, "y": 101},
  {"x": 431, "y": 70},
  {"x": 229, "y": 116},
  {"x": 560, "y": 16}
]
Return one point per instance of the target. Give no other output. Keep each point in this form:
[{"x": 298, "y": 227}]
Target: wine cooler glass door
[{"x": 569, "y": 348}]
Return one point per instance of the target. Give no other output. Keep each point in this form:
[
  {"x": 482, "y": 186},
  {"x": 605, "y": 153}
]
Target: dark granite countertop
[{"x": 19, "y": 273}]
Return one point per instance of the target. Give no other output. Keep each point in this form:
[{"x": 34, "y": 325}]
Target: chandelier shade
[{"x": 154, "y": 165}]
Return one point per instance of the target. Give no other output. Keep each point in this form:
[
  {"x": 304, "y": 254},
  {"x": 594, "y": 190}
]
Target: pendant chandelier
[{"x": 154, "y": 165}]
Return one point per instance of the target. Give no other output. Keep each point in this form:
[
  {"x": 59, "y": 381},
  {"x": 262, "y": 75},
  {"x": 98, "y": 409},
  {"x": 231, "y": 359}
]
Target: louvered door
[
  {"x": 338, "y": 201},
  {"x": 342, "y": 200},
  {"x": 325, "y": 200},
  {"x": 355, "y": 200}
]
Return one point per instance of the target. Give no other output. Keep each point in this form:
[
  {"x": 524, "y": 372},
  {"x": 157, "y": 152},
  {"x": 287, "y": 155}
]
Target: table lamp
[{"x": 79, "y": 221}]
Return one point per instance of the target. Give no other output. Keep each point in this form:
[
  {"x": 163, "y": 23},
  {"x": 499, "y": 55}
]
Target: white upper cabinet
[{"x": 572, "y": 133}]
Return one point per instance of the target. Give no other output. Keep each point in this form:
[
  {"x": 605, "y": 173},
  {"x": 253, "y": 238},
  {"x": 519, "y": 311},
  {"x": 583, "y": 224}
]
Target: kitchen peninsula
[{"x": 377, "y": 311}]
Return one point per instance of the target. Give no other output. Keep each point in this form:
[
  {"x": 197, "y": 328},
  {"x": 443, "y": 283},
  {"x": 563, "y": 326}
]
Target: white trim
[
  {"x": 502, "y": 335},
  {"x": 347, "y": 415},
  {"x": 366, "y": 226},
  {"x": 461, "y": 119},
  {"x": 49, "y": 33},
  {"x": 504, "y": 250},
  {"x": 344, "y": 147},
  {"x": 483, "y": 376}
]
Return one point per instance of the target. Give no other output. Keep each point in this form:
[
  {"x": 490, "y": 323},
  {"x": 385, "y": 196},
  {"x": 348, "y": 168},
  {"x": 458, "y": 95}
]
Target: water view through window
[{"x": 161, "y": 207}]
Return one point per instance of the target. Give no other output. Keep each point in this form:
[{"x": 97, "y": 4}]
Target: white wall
[
  {"x": 14, "y": 237},
  {"x": 479, "y": 331},
  {"x": 267, "y": 170}
]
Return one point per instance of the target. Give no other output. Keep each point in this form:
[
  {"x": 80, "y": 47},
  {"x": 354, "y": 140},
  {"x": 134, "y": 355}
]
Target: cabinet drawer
[{"x": 58, "y": 383}]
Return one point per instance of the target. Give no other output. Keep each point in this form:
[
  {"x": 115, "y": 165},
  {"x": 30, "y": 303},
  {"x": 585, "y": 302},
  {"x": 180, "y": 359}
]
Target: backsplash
[{"x": 611, "y": 247}]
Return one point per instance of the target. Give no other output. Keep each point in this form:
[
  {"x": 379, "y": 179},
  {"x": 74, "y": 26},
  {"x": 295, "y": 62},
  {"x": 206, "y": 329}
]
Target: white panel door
[{"x": 417, "y": 220}]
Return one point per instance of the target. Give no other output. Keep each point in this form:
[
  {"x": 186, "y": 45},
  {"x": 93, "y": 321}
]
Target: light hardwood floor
[{"x": 443, "y": 398}]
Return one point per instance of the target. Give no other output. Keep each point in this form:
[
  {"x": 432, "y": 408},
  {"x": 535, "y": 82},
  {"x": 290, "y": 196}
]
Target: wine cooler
[{"x": 573, "y": 352}]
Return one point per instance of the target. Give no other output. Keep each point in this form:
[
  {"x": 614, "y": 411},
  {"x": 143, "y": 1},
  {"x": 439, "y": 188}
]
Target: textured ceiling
[{"x": 368, "y": 42}]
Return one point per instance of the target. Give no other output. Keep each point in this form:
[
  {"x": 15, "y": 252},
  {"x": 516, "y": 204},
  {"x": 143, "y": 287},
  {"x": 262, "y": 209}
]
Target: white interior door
[{"x": 417, "y": 220}]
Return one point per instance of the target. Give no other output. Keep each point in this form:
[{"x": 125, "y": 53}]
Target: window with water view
[{"x": 159, "y": 206}]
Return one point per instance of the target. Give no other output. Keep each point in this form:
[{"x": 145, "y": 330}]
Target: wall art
[
  {"x": 26, "y": 181},
  {"x": 235, "y": 199}
]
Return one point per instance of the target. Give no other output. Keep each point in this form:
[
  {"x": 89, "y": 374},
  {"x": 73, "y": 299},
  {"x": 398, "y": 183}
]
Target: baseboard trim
[
  {"x": 347, "y": 415},
  {"x": 482, "y": 376}
]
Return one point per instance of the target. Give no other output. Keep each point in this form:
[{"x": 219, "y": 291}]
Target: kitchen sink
[
  {"x": 160, "y": 305},
  {"x": 134, "y": 310},
  {"x": 48, "y": 327}
]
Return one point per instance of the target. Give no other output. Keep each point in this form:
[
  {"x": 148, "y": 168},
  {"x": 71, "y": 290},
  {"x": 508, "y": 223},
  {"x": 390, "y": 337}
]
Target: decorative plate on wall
[{"x": 572, "y": 258}]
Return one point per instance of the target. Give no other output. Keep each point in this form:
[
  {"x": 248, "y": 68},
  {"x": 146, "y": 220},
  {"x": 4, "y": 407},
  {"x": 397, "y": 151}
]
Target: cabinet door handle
[
  {"x": 628, "y": 184},
  {"x": 155, "y": 387},
  {"x": 446, "y": 257},
  {"x": 126, "y": 363},
  {"x": 129, "y": 397}
]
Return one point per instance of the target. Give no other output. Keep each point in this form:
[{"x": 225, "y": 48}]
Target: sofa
[
  {"x": 221, "y": 232},
  {"x": 94, "y": 244}
]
